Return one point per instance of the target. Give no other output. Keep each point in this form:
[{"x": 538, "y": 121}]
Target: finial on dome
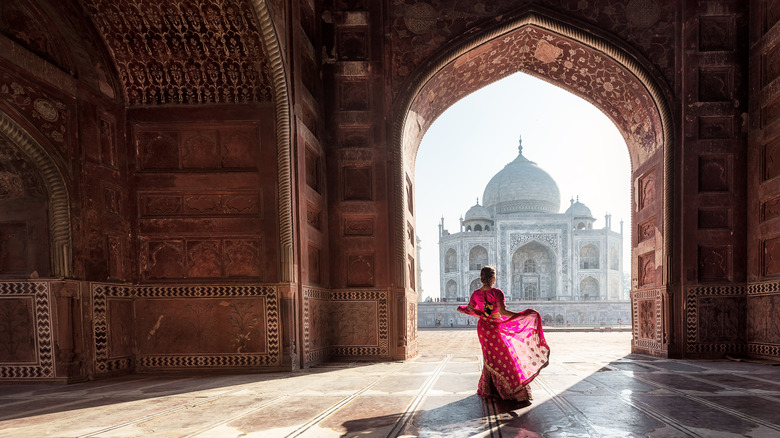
[
  {"x": 477, "y": 200},
  {"x": 520, "y": 145}
]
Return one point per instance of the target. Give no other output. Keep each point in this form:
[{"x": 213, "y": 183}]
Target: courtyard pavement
[{"x": 593, "y": 387}]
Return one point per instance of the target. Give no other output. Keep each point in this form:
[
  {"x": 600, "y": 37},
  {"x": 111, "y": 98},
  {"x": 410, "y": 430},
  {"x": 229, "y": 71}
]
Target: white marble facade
[{"x": 540, "y": 253}]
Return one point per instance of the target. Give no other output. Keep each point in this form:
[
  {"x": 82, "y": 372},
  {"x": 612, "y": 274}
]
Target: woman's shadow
[{"x": 465, "y": 417}]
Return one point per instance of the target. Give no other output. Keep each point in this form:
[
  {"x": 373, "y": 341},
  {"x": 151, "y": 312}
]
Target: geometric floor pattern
[{"x": 593, "y": 387}]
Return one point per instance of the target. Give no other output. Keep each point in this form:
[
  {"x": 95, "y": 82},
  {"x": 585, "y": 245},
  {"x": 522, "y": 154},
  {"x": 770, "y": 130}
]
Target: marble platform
[{"x": 593, "y": 387}]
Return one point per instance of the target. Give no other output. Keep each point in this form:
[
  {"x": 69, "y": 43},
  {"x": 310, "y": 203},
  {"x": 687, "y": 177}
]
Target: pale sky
[{"x": 475, "y": 138}]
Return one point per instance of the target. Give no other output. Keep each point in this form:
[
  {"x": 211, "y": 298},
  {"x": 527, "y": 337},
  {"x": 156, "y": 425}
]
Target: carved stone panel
[
  {"x": 771, "y": 257},
  {"x": 646, "y": 269},
  {"x": 120, "y": 328},
  {"x": 312, "y": 169},
  {"x": 313, "y": 217},
  {"x": 716, "y": 84},
  {"x": 200, "y": 204},
  {"x": 715, "y": 319},
  {"x": 353, "y": 44},
  {"x": 353, "y": 95},
  {"x": 360, "y": 326},
  {"x": 115, "y": 252},
  {"x": 201, "y": 258},
  {"x": 771, "y": 159},
  {"x": 161, "y": 259},
  {"x": 197, "y": 147},
  {"x": 769, "y": 112},
  {"x": 204, "y": 259},
  {"x": 17, "y": 336},
  {"x": 159, "y": 150},
  {"x": 646, "y": 230},
  {"x": 721, "y": 319},
  {"x": 360, "y": 270},
  {"x": 412, "y": 273},
  {"x": 314, "y": 265},
  {"x": 358, "y": 184},
  {"x": 770, "y": 209},
  {"x": 763, "y": 326},
  {"x": 107, "y": 132},
  {"x": 243, "y": 258},
  {"x": 186, "y": 326},
  {"x": 646, "y": 323},
  {"x": 770, "y": 65},
  {"x": 716, "y": 127},
  {"x": 647, "y": 189},
  {"x": 355, "y": 324},
  {"x": 355, "y": 137},
  {"x": 359, "y": 226},
  {"x": 714, "y": 218},
  {"x": 714, "y": 263},
  {"x": 716, "y": 33},
  {"x": 714, "y": 173}
]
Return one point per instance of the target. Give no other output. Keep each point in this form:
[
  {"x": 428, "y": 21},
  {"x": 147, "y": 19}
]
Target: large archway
[
  {"x": 590, "y": 67},
  {"x": 58, "y": 206}
]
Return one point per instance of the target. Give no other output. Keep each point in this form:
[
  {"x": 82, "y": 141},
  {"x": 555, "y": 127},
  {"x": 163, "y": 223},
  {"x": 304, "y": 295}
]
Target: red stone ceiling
[
  {"x": 559, "y": 60},
  {"x": 184, "y": 52}
]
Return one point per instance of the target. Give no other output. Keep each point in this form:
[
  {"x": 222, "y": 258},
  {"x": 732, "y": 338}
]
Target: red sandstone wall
[{"x": 763, "y": 256}]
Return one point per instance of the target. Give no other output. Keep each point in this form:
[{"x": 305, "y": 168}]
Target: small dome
[
  {"x": 522, "y": 186},
  {"x": 578, "y": 209},
  {"x": 478, "y": 212}
]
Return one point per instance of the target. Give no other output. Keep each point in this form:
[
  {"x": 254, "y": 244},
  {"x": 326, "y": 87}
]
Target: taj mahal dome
[{"x": 540, "y": 253}]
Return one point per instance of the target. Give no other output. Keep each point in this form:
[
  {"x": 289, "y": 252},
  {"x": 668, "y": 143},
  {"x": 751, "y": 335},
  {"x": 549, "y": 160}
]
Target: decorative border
[
  {"x": 59, "y": 207},
  {"x": 312, "y": 355},
  {"x": 763, "y": 288},
  {"x": 100, "y": 295},
  {"x": 645, "y": 295},
  {"x": 44, "y": 368},
  {"x": 692, "y": 345},
  {"x": 101, "y": 292},
  {"x": 766, "y": 350},
  {"x": 583, "y": 36},
  {"x": 206, "y": 361},
  {"x": 381, "y": 297}
]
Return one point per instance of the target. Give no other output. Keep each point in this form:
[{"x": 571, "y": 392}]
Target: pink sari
[{"x": 514, "y": 348}]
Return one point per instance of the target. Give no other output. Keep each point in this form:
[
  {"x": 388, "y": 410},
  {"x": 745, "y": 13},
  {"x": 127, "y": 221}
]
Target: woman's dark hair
[{"x": 486, "y": 274}]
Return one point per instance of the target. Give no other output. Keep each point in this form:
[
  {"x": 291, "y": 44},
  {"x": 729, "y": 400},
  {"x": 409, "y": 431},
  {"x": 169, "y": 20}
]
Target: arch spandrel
[{"x": 563, "y": 61}]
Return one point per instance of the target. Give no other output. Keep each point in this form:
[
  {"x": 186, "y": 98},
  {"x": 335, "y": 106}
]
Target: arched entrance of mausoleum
[{"x": 594, "y": 69}]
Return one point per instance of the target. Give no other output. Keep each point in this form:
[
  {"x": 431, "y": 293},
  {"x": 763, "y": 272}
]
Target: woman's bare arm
[{"x": 503, "y": 311}]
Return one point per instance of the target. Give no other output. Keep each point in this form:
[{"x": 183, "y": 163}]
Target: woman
[{"x": 513, "y": 344}]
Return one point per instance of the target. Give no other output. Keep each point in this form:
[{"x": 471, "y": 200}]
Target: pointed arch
[
  {"x": 57, "y": 190},
  {"x": 419, "y": 104}
]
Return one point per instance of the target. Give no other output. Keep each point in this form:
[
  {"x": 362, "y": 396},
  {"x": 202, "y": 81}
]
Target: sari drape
[{"x": 513, "y": 348}]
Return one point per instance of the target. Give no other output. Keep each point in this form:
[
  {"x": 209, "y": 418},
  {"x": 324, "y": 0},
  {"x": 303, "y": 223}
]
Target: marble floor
[{"x": 593, "y": 387}]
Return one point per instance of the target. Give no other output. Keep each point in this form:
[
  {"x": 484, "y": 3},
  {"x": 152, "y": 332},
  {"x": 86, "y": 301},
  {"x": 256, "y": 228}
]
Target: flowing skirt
[{"x": 514, "y": 351}]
